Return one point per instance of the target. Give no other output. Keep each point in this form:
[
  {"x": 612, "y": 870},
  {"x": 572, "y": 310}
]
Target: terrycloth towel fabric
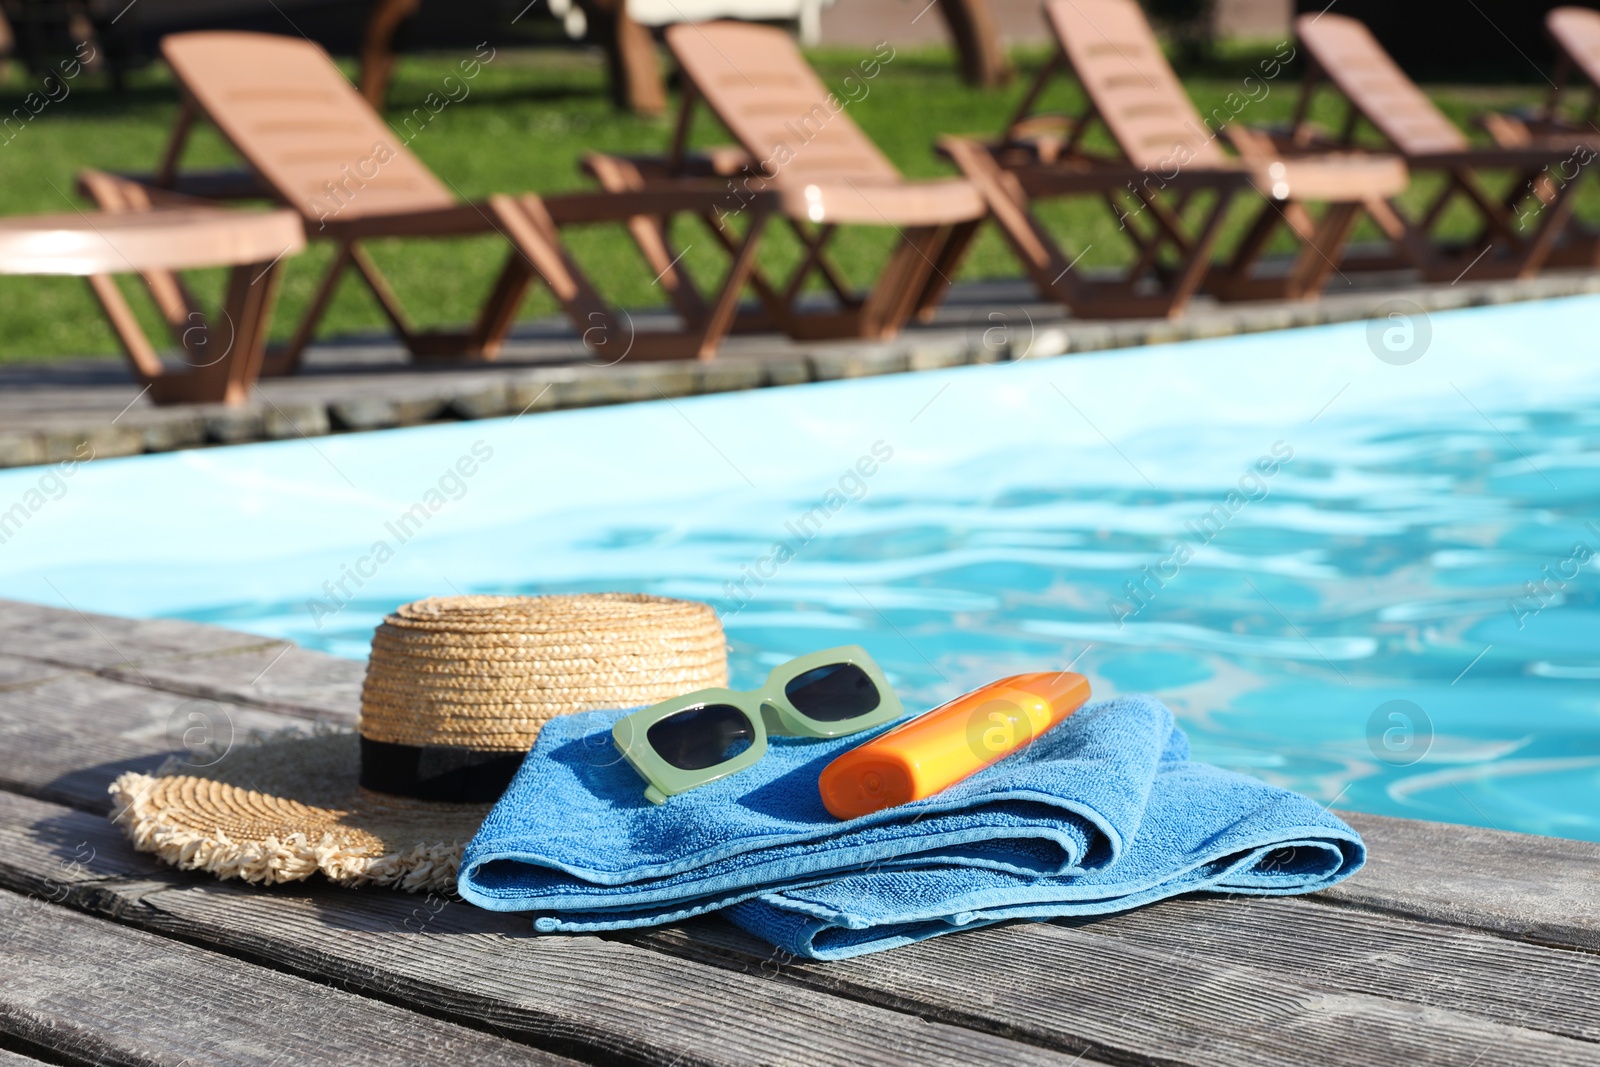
[{"x": 1103, "y": 813}]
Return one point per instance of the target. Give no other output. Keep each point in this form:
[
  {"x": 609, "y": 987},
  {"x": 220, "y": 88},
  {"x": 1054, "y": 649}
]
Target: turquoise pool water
[{"x": 1318, "y": 558}]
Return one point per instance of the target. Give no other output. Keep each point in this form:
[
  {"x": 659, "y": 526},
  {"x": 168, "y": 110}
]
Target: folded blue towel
[
  {"x": 1102, "y": 813},
  {"x": 1204, "y": 829}
]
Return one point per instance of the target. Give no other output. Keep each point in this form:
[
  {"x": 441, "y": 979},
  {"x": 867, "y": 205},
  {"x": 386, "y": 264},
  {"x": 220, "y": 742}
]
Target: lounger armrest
[
  {"x": 565, "y": 209},
  {"x": 1508, "y": 131},
  {"x": 1048, "y": 125},
  {"x": 1337, "y": 177},
  {"x": 1332, "y": 177},
  {"x": 920, "y": 202},
  {"x": 1527, "y": 129},
  {"x": 196, "y": 185},
  {"x": 1043, "y": 149},
  {"x": 569, "y": 209},
  {"x": 125, "y": 192},
  {"x": 717, "y": 161},
  {"x": 458, "y": 220},
  {"x": 1286, "y": 140}
]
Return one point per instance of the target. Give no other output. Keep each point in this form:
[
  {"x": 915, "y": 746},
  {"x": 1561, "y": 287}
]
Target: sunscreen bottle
[{"x": 953, "y": 741}]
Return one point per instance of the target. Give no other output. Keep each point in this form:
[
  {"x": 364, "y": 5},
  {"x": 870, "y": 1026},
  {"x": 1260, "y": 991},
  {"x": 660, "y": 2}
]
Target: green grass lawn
[{"x": 527, "y": 118}]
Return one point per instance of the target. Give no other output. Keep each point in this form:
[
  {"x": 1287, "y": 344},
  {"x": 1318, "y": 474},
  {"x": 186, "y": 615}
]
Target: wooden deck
[{"x": 1454, "y": 946}]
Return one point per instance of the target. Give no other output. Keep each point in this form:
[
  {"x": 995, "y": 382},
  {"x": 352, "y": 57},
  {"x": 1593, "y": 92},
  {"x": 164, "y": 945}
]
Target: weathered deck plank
[
  {"x": 93, "y": 991},
  {"x": 1304, "y": 940},
  {"x": 70, "y": 736},
  {"x": 1544, "y": 889},
  {"x": 1159, "y": 998},
  {"x": 17, "y": 671},
  {"x": 581, "y": 996},
  {"x": 66, "y": 637},
  {"x": 278, "y": 676}
]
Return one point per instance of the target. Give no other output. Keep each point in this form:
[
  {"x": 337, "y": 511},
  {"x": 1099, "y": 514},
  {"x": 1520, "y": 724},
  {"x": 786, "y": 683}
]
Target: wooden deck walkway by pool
[{"x": 1454, "y": 946}]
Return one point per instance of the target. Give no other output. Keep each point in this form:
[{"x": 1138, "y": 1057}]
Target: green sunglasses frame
[{"x": 769, "y": 711}]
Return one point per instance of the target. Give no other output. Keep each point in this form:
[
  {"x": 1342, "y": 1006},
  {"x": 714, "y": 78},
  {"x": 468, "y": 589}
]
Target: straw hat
[{"x": 456, "y": 690}]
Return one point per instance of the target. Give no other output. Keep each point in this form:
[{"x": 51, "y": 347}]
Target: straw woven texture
[
  {"x": 479, "y": 672},
  {"x": 283, "y": 809},
  {"x": 486, "y": 672}
]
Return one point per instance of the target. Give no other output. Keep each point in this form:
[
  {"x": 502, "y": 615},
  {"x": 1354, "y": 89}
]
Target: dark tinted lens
[
  {"x": 833, "y": 693},
  {"x": 696, "y": 738}
]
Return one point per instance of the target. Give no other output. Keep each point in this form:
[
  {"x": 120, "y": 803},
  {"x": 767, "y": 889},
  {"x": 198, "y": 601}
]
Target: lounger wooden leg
[
  {"x": 946, "y": 264},
  {"x": 252, "y": 289},
  {"x": 1494, "y": 216},
  {"x": 287, "y": 360},
  {"x": 650, "y": 234},
  {"x": 1168, "y": 225},
  {"x": 817, "y": 256},
  {"x": 1041, "y": 81},
  {"x": 892, "y": 298},
  {"x": 1228, "y": 282},
  {"x": 1319, "y": 254},
  {"x": 137, "y": 347},
  {"x": 910, "y": 293},
  {"x": 225, "y": 377},
  {"x": 423, "y": 344},
  {"x": 386, "y": 298},
  {"x": 815, "y": 260},
  {"x": 720, "y": 319},
  {"x": 1165, "y": 228},
  {"x": 1033, "y": 245},
  {"x": 532, "y": 232},
  {"x": 779, "y": 312},
  {"x": 1553, "y": 220},
  {"x": 1409, "y": 242},
  {"x": 499, "y": 312},
  {"x": 1299, "y": 220},
  {"x": 1430, "y": 217},
  {"x": 167, "y": 169},
  {"x": 1193, "y": 271},
  {"x": 1149, "y": 258}
]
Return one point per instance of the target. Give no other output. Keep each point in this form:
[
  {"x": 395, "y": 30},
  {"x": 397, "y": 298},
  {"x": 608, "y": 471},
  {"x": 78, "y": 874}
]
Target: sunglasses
[{"x": 695, "y": 739}]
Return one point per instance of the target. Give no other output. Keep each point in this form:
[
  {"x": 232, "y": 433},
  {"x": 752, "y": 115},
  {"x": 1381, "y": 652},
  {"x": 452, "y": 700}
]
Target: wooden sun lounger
[
  {"x": 311, "y": 143},
  {"x": 1168, "y": 156},
  {"x": 1575, "y": 31},
  {"x": 1576, "y": 34},
  {"x": 218, "y": 356},
  {"x": 1520, "y": 228},
  {"x": 795, "y": 137}
]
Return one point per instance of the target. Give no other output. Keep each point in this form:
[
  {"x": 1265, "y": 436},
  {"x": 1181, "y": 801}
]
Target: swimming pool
[{"x": 1319, "y": 558}]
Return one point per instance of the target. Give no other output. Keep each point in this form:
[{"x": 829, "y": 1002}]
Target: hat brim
[{"x": 285, "y": 809}]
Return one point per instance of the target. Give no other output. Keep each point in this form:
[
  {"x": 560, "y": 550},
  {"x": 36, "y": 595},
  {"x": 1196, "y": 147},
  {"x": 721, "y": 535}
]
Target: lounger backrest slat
[
  {"x": 759, "y": 85},
  {"x": 301, "y": 125},
  {"x": 1577, "y": 31},
  {"x": 1355, "y": 62},
  {"x": 1116, "y": 57}
]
